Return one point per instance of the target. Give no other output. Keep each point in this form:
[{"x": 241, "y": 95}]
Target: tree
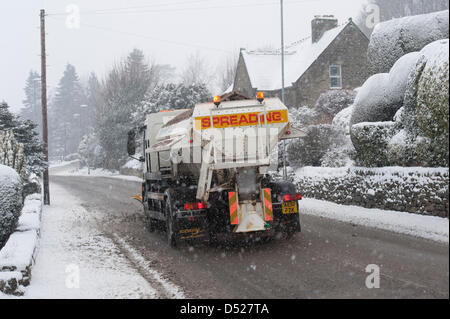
[
  {"x": 6, "y": 117},
  {"x": 32, "y": 103},
  {"x": 95, "y": 100},
  {"x": 124, "y": 90},
  {"x": 25, "y": 132},
  {"x": 227, "y": 72},
  {"x": 65, "y": 123},
  {"x": 12, "y": 153},
  {"x": 196, "y": 71}
]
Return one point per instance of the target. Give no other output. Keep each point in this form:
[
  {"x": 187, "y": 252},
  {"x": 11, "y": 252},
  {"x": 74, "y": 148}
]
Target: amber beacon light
[
  {"x": 260, "y": 97},
  {"x": 217, "y": 100}
]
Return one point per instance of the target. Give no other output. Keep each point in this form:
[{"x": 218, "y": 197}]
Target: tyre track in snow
[{"x": 164, "y": 288}]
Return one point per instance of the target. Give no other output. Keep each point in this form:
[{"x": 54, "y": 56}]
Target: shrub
[
  {"x": 433, "y": 105},
  {"x": 370, "y": 141},
  {"x": 382, "y": 95},
  {"x": 332, "y": 102},
  {"x": 392, "y": 39},
  {"x": 309, "y": 151},
  {"x": 10, "y": 201}
]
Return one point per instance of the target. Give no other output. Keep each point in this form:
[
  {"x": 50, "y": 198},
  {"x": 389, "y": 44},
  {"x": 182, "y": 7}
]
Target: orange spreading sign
[{"x": 241, "y": 119}]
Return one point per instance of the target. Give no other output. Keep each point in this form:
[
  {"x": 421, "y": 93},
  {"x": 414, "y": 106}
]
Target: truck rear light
[
  {"x": 291, "y": 197},
  {"x": 194, "y": 206}
]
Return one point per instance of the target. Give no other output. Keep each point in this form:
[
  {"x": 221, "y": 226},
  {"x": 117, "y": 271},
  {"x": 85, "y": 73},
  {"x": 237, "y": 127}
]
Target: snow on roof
[
  {"x": 264, "y": 68},
  {"x": 229, "y": 89}
]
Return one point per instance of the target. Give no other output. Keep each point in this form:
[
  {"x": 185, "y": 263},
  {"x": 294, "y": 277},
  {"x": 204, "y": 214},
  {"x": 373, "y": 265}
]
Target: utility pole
[
  {"x": 44, "y": 108},
  {"x": 282, "y": 51},
  {"x": 282, "y": 83}
]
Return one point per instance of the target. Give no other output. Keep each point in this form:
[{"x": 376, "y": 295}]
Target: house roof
[{"x": 264, "y": 68}]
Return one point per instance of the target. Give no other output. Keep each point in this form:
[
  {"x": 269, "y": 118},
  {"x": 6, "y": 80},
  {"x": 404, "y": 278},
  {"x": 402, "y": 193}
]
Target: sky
[{"x": 168, "y": 31}]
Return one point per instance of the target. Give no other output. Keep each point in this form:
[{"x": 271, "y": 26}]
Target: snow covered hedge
[
  {"x": 10, "y": 201},
  {"x": 381, "y": 96},
  {"x": 371, "y": 141},
  {"x": 19, "y": 253},
  {"x": 412, "y": 100},
  {"x": 409, "y": 189},
  {"x": 432, "y": 100},
  {"x": 392, "y": 39}
]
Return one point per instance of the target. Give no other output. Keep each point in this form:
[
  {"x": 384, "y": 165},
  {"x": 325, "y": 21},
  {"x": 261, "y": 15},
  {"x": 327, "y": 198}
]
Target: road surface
[{"x": 328, "y": 259}]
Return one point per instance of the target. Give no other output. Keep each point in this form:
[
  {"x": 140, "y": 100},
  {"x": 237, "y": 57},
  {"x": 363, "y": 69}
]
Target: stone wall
[{"x": 415, "y": 190}]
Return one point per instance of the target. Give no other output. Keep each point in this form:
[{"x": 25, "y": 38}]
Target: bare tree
[
  {"x": 227, "y": 71},
  {"x": 197, "y": 71}
]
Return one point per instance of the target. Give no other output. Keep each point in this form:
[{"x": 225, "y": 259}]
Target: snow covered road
[
  {"x": 103, "y": 232},
  {"x": 79, "y": 260}
]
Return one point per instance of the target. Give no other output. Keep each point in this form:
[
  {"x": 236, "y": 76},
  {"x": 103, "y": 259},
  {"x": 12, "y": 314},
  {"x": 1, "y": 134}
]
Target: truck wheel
[
  {"x": 171, "y": 237},
  {"x": 150, "y": 223}
]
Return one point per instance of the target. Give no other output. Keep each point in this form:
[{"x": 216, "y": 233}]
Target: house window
[{"x": 335, "y": 77}]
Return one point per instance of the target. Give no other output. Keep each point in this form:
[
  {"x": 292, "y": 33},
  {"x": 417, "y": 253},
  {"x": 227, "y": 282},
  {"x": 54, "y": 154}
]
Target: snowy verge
[
  {"x": 429, "y": 227},
  {"x": 54, "y": 164},
  {"x": 94, "y": 172},
  {"x": 19, "y": 253},
  {"x": 133, "y": 168},
  {"x": 79, "y": 258}
]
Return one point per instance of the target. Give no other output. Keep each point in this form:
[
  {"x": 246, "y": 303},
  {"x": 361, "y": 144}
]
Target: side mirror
[{"x": 131, "y": 143}]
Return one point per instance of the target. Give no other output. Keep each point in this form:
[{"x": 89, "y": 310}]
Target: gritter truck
[{"x": 206, "y": 170}]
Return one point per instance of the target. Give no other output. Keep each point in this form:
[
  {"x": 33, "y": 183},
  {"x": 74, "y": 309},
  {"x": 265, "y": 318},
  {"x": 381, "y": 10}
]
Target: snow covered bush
[
  {"x": 327, "y": 106},
  {"x": 381, "y": 96},
  {"x": 340, "y": 155},
  {"x": 433, "y": 104},
  {"x": 370, "y": 140},
  {"x": 89, "y": 151},
  {"x": 302, "y": 116},
  {"x": 414, "y": 95},
  {"x": 12, "y": 153},
  {"x": 426, "y": 102},
  {"x": 342, "y": 152},
  {"x": 332, "y": 102},
  {"x": 401, "y": 150},
  {"x": 309, "y": 151},
  {"x": 392, "y": 39},
  {"x": 10, "y": 201},
  {"x": 342, "y": 119}
]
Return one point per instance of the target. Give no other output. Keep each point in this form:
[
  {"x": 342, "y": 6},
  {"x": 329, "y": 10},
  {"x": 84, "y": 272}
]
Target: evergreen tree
[
  {"x": 6, "y": 117},
  {"x": 124, "y": 90},
  {"x": 170, "y": 96},
  {"x": 25, "y": 132},
  {"x": 66, "y": 114},
  {"x": 95, "y": 99},
  {"x": 32, "y": 103}
]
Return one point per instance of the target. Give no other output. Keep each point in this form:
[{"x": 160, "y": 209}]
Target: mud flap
[{"x": 192, "y": 230}]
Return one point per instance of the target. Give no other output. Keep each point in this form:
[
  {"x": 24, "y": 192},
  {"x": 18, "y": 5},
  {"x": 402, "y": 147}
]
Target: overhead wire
[{"x": 126, "y": 10}]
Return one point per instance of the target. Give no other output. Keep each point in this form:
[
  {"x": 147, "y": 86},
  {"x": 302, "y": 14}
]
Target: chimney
[{"x": 320, "y": 25}]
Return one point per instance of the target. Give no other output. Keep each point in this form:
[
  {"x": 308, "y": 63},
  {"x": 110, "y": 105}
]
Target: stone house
[{"x": 334, "y": 57}]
